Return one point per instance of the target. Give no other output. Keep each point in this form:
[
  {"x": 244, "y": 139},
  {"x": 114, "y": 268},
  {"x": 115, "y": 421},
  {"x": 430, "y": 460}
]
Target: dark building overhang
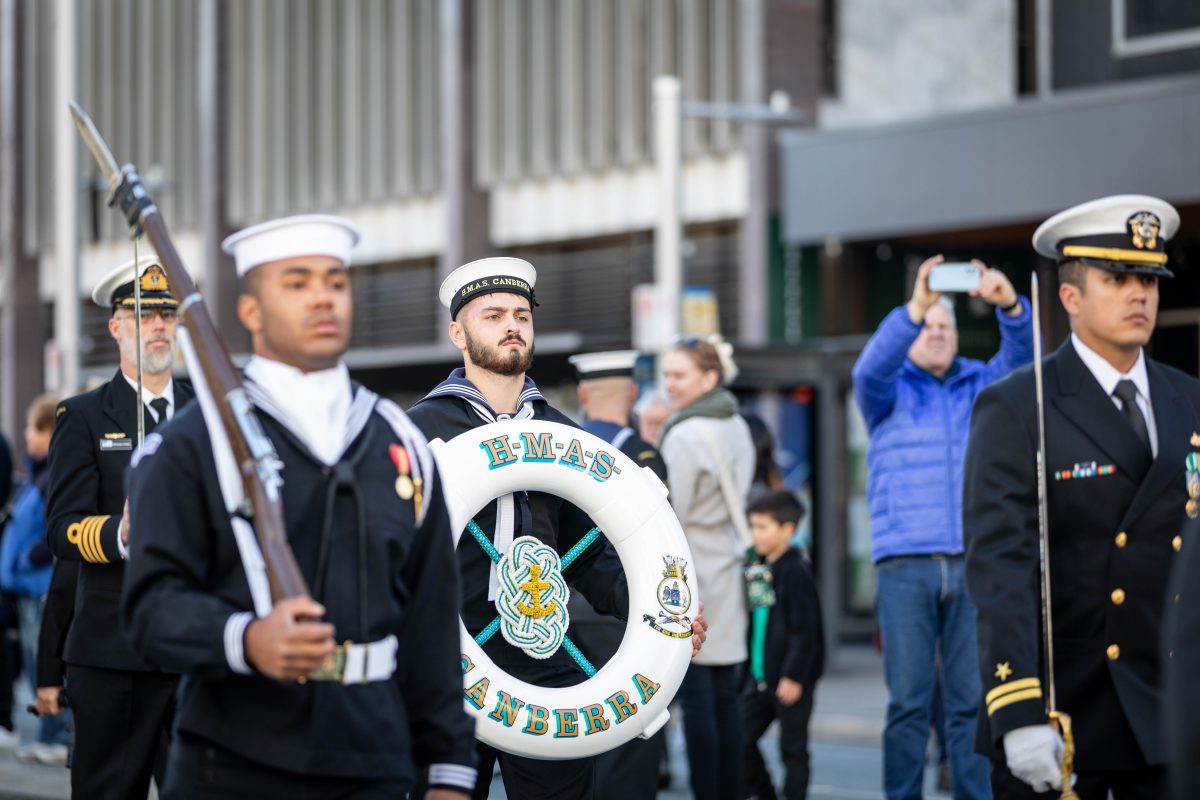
[{"x": 996, "y": 166}]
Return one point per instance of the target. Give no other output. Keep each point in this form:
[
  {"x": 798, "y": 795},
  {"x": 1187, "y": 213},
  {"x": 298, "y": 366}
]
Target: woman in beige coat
[{"x": 703, "y": 439}]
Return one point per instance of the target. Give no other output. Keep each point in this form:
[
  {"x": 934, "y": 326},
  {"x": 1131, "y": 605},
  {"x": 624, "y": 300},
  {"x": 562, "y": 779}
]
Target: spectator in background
[
  {"x": 710, "y": 458},
  {"x": 25, "y": 567},
  {"x": 651, "y": 412},
  {"x": 6, "y": 471},
  {"x": 8, "y": 736},
  {"x": 766, "y": 472},
  {"x": 916, "y": 394},
  {"x": 787, "y": 650}
]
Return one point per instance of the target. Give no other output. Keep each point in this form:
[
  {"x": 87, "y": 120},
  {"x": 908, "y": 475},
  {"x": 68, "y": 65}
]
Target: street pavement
[{"x": 844, "y": 740}]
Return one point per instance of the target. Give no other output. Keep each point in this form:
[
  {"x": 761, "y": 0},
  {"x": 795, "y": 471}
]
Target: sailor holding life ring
[{"x": 491, "y": 307}]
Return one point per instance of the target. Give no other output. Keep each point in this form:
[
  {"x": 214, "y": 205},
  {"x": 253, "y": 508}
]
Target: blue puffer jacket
[
  {"x": 26, "y": 529},
  {"x": 918, "y": 433}
]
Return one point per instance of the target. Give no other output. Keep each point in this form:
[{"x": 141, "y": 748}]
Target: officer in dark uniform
[
  {"x": 269, "y": 705},
  {"x": 490, "y": 303},
  {"x": 607, "y": 393},
  {"x": 122, "y": 704},
  {"x": 1119, "y": 430},
  {"x": 1181, "y": 630}
]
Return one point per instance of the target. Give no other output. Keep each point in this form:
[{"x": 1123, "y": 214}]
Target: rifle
[
  {"x": 253, "y": 453},
  {"x": 1058, "y": 720}
]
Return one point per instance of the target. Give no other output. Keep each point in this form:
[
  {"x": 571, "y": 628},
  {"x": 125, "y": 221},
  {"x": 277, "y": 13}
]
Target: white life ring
[{"x": 629, "y": 695}]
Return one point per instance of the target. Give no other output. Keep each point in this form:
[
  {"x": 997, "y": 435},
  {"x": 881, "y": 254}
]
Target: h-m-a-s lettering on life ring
[{"x": 628, "y": 696}]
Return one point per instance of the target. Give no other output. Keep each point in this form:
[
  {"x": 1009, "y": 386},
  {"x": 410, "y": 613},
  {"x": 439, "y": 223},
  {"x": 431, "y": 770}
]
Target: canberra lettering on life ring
[{"x": 628, "y": 696}]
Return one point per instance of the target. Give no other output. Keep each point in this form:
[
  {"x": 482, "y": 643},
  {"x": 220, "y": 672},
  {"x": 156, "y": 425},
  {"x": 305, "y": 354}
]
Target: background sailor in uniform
[
  {"x": 256, "y": 717},
  {"x": 491, "y": 308},
  {"x": 122, "y": 705},
  {"x": 607, "y": 393},
  {"x": 1119, "y": 430}
]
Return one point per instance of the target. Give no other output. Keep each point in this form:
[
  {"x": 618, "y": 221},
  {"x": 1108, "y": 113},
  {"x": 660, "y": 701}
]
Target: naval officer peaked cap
[
  {"x": 1121, "y": 233},
  {"x": 116, "y": 289},
  {"x": 292, "y": 237},
  {"x": 610, "y": 364},
  {"x": 488, "y": 276}
]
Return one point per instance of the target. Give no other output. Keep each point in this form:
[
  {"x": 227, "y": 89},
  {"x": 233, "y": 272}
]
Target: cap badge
[
  {"x": 154, "y": 279},
  {"x": 1143, "y": 229}
]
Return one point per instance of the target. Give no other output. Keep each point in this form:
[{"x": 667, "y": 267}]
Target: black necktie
[
  {"x": 159, "y": 404},
  {"x": 1127, "y": 393}
]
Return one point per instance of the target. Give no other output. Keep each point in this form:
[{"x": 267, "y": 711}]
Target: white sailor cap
[
  {"x": 488, "y": 276},
  {"x": 290, "y": 237},
  {"x": 611, "y": 364},
  {"x": 116, "y": 288},
  {"x": 1121, "y": 233}
]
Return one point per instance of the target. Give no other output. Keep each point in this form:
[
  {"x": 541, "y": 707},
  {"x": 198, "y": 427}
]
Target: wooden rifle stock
[{"x": 252, "y": 451}]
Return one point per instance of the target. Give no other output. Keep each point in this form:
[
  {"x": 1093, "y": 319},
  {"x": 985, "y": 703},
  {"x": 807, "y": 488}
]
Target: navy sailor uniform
[
  {"x": 381, "y": 566},
  {"x": 454, "y": 407}
]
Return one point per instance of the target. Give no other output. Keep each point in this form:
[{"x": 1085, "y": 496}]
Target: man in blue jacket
[{"x": 916, "y": 394}]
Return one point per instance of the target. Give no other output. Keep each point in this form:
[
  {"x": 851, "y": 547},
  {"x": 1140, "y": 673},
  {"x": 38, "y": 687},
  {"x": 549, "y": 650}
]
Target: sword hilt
[{"x": 1062, "y": 723}]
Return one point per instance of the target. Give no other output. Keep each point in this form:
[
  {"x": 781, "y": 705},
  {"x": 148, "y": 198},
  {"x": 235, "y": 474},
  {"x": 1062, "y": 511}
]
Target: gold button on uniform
[
  {"x": 1177, "y": 543},
  {"x": 1114, "y": 652},
  {"x": 1118, "y": 597},
  {"x": 1122, "y": 538}
]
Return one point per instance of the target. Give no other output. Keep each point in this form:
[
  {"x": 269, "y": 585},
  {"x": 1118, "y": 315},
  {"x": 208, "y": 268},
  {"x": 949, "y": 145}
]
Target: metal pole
[
  {"x": 1045, "y": 47},
  {"x": 465, "y": 205},
  {"x": 66, "y": 201},
  {"x": 208, "y": 144},
  {"x": 668, "y": 229},
  {"x": 9, "y": 248},
  {"x": 752, "y": 275}
]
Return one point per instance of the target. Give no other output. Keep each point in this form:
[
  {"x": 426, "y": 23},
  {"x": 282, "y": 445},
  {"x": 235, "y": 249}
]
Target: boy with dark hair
[{"x": 787, "y": 650}]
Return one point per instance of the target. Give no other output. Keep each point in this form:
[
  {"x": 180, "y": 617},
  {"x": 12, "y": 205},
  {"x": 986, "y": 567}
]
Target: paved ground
[{"x": 846, "y": 757}]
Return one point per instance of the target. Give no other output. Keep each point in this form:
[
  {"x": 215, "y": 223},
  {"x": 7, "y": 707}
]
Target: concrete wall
[{"x": 900, "y": 59}]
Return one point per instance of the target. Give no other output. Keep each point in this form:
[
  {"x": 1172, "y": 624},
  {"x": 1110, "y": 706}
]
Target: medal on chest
[
  {"x": 408, "y": 486},
  {"x": 1192, "y": 507}
]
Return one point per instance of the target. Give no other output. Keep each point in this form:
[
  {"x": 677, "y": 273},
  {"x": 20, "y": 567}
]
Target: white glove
[{"x": 1034, "y": 755}]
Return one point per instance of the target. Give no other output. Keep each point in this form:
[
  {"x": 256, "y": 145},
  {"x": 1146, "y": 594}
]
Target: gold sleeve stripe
[
  {"x": 1006, "y": 688},
  {"x": 89, "y": 540},
  {"x": 1014, "y": 697},
  {"x": 73, "y": 534},
  {"x": 98, "y": 540},
  {"x": 1115, "y": 254},
  {"x": 85, "y": 540}
]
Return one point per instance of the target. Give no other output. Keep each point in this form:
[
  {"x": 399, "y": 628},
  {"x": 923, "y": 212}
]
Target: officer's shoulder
[
  {"x": 1012, "y": 390},
  {"x": 89, "y": 399},
  {"x": 81, "y": 405},
  {"x": 1189, "y": 384}
]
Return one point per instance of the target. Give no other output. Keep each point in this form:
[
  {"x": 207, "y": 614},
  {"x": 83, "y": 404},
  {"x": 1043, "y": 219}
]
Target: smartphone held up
[{"x": 955, "y": 277}]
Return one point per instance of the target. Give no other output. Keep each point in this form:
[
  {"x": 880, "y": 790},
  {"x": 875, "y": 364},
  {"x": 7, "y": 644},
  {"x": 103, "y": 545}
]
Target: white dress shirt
[
  {"x": 1108, "y": 376},
  {"x": 316, "y": 404},
  {"x": 147, "y": 395}
]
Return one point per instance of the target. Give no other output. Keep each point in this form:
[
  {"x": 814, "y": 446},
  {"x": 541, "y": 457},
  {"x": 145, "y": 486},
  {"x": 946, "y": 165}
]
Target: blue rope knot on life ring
[{"x": 532, "y": 600}]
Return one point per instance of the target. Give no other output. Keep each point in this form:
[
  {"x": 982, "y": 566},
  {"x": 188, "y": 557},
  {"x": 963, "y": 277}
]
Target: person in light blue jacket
[
  {"x": 25, "y": 567},
  {"x": 916, "y": 394}
]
